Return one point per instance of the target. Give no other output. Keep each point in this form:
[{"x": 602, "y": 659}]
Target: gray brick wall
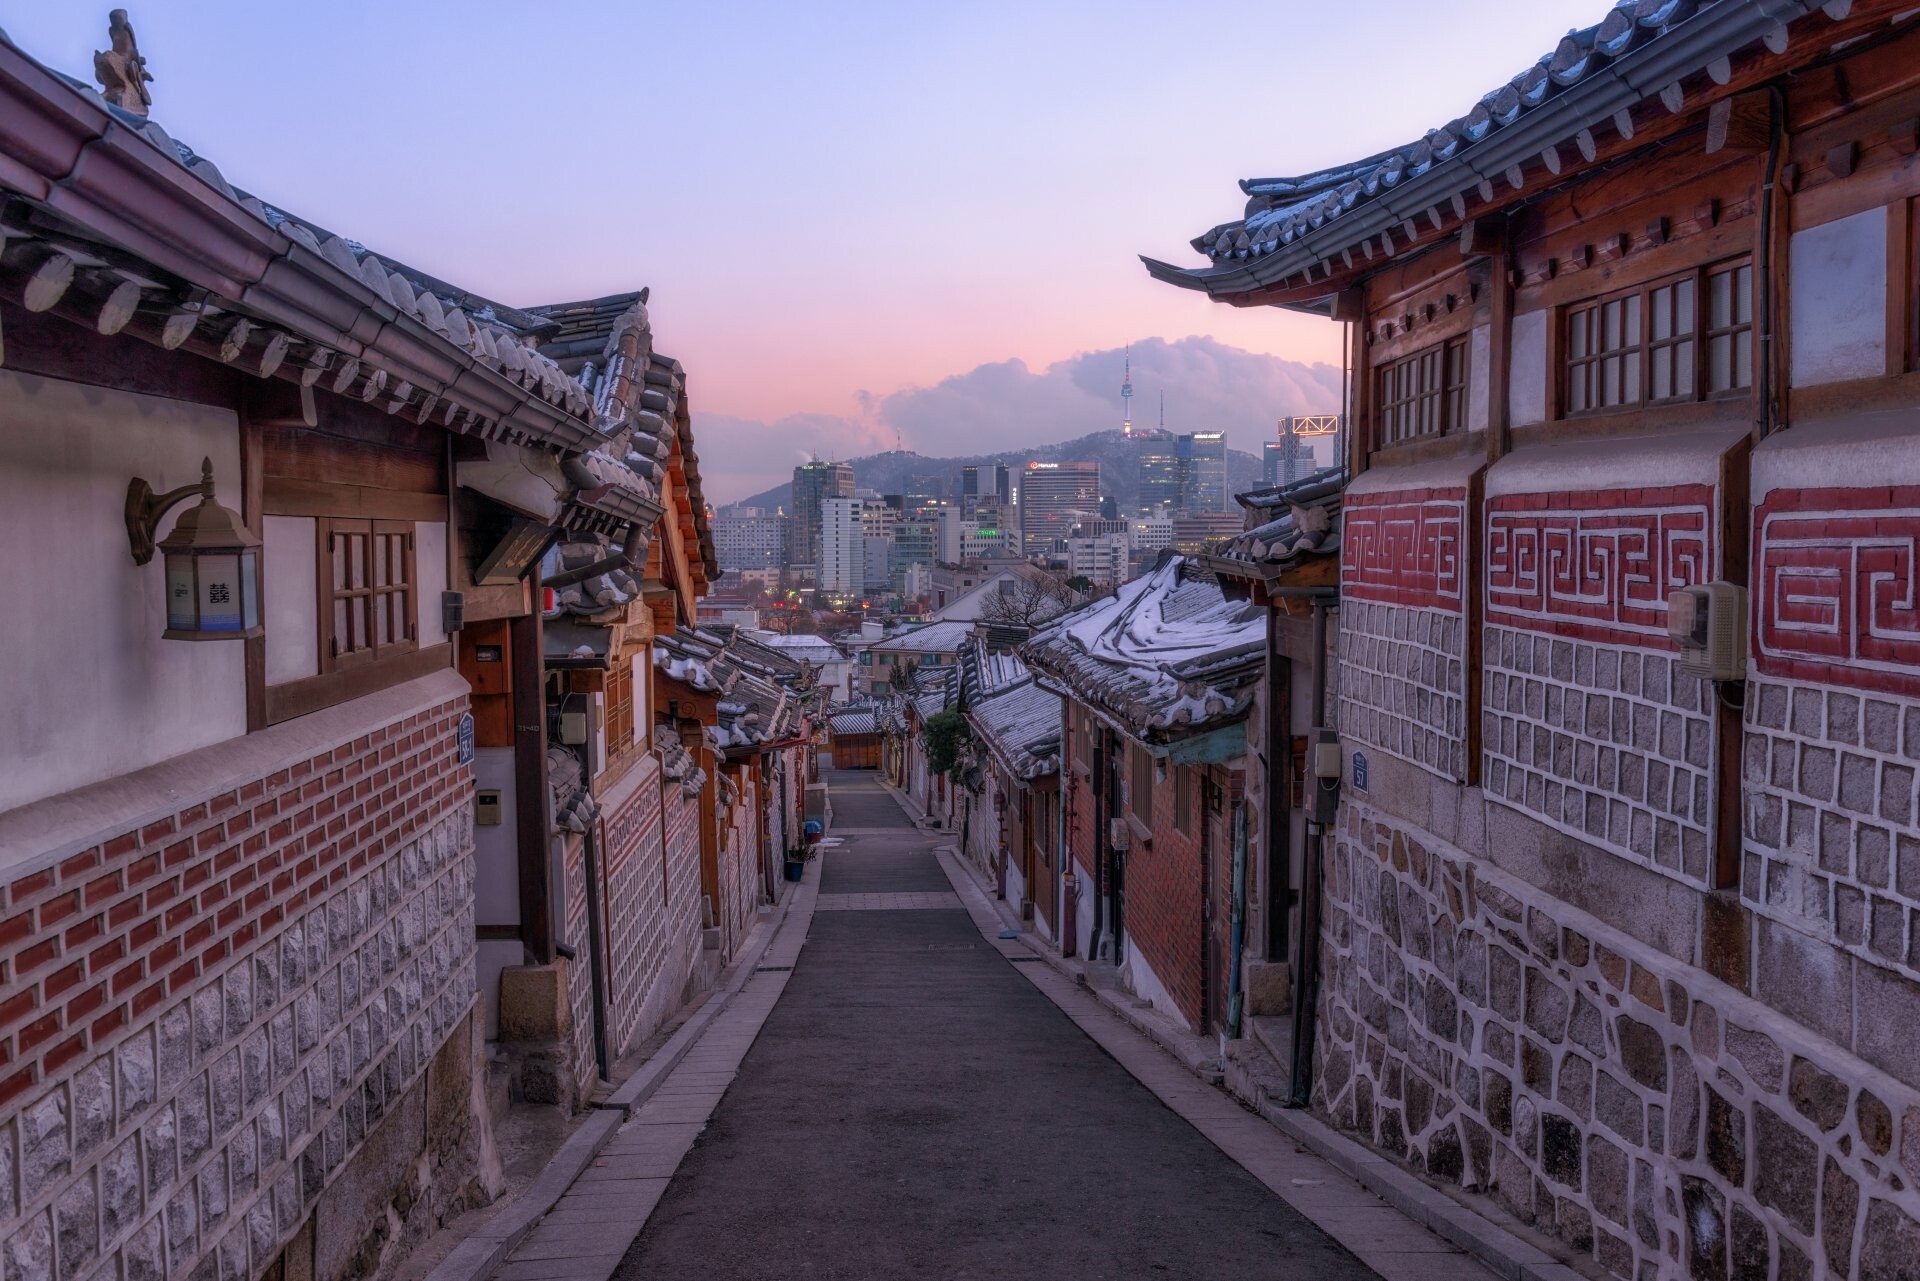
[
  {"x": 1403, "y": 683},
  {"x": 1832, "y": 822},
  {"x": 1606, "y": 742}
]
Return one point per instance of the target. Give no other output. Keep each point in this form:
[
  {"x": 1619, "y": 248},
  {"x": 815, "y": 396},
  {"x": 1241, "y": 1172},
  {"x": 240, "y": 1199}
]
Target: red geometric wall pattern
[
  {"x": 1405, "y": 548},
  {"x": 1837, "y": 588},
  {"x": 1597, "y": 565}
]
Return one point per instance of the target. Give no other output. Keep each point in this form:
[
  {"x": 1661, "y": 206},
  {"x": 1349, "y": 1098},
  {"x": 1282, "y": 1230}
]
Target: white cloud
[{"x": 1007, "y": 405}]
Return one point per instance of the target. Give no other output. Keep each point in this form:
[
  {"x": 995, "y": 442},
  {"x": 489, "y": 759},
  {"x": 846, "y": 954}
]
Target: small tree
[
  {"x": 1028, "y": 600},
  {"x": 1080, "y": 583},
  {"x": 946, "y": 737}
]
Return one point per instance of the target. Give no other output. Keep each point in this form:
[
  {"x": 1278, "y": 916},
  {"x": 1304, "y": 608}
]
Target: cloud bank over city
[{"x": 1209, "y": 386}]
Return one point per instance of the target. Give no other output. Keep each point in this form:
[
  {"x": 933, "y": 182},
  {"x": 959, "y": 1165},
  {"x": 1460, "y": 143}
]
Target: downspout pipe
[
  {"x": 1306, "y": 984},
  {"x": 595, "y": 962},
  {"x": 626, "y": 558}
]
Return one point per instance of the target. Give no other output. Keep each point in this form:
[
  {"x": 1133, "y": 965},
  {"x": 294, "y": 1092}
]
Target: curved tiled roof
[
  {"x": 1558, "y": 111},
  {"x": 1303, "y": 520},
  {"x": 1166, "y": 656}
]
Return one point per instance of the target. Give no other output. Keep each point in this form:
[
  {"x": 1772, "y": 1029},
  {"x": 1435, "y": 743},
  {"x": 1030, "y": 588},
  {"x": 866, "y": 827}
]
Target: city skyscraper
[
  {"x": 813, "y": 484},
  {"x": 1203, "y": 472},
  {"x": 989, "y": 482},
  {"x": 1054, "y": 497},
  {"x": 1284, "y": 461},
  {"x": 1159, "y": 468},
  {"x": 1126, "y": 394}
]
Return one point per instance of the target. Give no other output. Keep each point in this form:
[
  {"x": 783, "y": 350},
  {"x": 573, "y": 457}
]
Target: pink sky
[{"x": 825, "y": 200}]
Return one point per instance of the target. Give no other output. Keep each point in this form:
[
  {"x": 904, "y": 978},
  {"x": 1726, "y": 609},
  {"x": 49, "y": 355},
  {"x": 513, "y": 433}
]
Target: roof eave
[{"x": 1712, "y": 32}]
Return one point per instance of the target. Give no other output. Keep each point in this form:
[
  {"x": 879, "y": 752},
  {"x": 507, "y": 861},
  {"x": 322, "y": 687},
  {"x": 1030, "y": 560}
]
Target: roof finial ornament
[{"x": 121, "y": 71}]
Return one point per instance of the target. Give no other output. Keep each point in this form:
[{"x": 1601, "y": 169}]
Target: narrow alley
[{"x": 874, "y": 1139}]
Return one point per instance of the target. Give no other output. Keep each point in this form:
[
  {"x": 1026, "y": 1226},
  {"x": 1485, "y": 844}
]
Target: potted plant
[{"x": 797, "y": 861}]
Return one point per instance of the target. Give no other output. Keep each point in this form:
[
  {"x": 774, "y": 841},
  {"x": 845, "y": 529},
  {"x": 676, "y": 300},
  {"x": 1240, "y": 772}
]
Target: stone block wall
[
  {"x": 1403, "y": 627},
  {"x": 1607, "y": 742},
  {"x": 1832, "y": 819},
  {"x": 209, "y": 1016},
  {"x": 1648, "y": 1115},
  {"x": 636, "y": 901},
  {"x": 1586, "y": 725},
  {"x": 1403, "y": 683}
]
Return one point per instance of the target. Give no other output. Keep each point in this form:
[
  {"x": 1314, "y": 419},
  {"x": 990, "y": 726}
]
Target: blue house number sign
[
  {"x": 463, "y": 739},
  {"x": 1359, "y": 771}
]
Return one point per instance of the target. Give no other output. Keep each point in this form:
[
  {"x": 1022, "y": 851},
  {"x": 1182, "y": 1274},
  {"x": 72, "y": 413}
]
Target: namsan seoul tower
[{"x": 1126, "y": 394}]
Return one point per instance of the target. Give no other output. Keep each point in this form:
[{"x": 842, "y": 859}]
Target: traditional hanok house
[
  {"x": 1620, "y": 916},
  {"x": 1289, "y": 562},
  {"x": 890, "y": 663},
  {"x": 750, "y": 737},
  {"x": 1159, "y": 680},
  {"x": 236, "y": 788},
  {"x": 1011, "y": 824},
  {"x": 853, "y": 736},
  {"x": 929, "y": 692}
]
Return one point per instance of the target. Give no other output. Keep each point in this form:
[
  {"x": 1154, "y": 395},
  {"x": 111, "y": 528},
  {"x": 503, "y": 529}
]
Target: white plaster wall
[
  {"x": 496, "y": 881},
  {"x": 1527, "y": 370},
  {"x": 1837, "y": 277},
  {"x": 1146, "y": 985},
  {"x": 1479, "y": 370},
  {"x": 430, "y": 568},
  {"x": 91, "y": 690},
  {"x": 290, "y": 563}
]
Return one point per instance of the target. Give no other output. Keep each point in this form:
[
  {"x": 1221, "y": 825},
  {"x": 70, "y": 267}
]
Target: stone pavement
[{"x": 898, "y": 1099}]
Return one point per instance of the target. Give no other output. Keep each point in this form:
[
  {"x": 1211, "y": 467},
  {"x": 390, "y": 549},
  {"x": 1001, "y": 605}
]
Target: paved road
[{"x": 913, "y": 1108}]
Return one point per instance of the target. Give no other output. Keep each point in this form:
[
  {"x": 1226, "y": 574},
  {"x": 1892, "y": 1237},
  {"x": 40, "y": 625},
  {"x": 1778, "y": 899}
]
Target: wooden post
[{"x": 532, "y": 800}]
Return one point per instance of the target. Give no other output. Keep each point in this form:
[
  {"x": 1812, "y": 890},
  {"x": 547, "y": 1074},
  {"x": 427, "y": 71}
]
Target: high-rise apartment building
[
  {"x": 1101, "y": 559},
  {"x": 813, "y": 484},
  {"x": 843, "y": 546},
  {"x": 749, "y": 538},
  {"x": 1202, "y": 459},
  {"x": 1054, "y": 497}
]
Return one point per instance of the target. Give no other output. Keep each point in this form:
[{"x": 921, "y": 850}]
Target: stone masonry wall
[
  {"x": 636, "y": 915},
  {"x": 1641, "y": 1111},
  {"x": 1607, "y": 742},
  {"x": 1403, "y": 683},
  {"x": 206, "y": 1017},
  {"x": 1832, "y": 822}
]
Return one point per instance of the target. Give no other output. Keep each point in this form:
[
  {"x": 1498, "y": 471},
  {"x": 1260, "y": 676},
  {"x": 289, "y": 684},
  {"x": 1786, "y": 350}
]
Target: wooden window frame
[
  {"x": 1183, "y": 799},
  {"x": 623, "y": 711},
  {"x": 333, "y": 657},
  {"x": 1140, "y": 785},
  {"x": 1587, "y": 369},
  {"x": 1400, "y": 394}
]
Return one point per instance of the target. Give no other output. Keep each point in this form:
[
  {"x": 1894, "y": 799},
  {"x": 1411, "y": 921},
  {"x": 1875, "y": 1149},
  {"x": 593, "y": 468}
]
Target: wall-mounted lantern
[{"x": 212, "y": 560}]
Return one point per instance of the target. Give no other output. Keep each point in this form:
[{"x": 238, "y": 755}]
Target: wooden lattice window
[
  {"x": 1424, "y": 394},
  {"x": 1651, "y": 345},
  {"x": 368, "y": 609}
]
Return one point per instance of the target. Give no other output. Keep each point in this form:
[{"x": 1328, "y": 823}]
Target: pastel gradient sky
[{"x": 832, "y": 203}]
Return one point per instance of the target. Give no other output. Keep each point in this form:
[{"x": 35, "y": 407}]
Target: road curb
[
  {"x": 1501, "y": 1251},
  {"x": 489, "y": 1244}
]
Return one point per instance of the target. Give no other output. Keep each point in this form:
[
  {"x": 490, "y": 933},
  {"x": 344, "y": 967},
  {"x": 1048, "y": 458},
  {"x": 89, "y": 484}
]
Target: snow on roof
[
  {"x": 934, "y": 638},
  {"x": 1304, "y": 520},
  {"x": 1165, "y": 656},
  {"x": 1021, "y": 726}
]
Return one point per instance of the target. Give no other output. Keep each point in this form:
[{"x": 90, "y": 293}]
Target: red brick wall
[
  {"x": 205, "y": 1016},
  {"x": 1164, "y": 900}
]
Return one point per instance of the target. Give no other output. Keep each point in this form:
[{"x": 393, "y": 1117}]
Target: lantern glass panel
[
  {"x": 249, "y": 590},
  {"x": 220, "y": 592},
  {"x": 181, "y": 615}
]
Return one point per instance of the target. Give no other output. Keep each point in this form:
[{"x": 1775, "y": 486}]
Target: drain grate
[
  {"x": 1022, "y": 960},
  {"x": 773, "y": 969}
]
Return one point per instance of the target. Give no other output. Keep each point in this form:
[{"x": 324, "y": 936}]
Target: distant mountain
[{"x": 896, "y": 471}]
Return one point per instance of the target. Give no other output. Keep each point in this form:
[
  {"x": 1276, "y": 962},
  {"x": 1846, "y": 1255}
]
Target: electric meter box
[{"x": 1708, "y": 621}]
